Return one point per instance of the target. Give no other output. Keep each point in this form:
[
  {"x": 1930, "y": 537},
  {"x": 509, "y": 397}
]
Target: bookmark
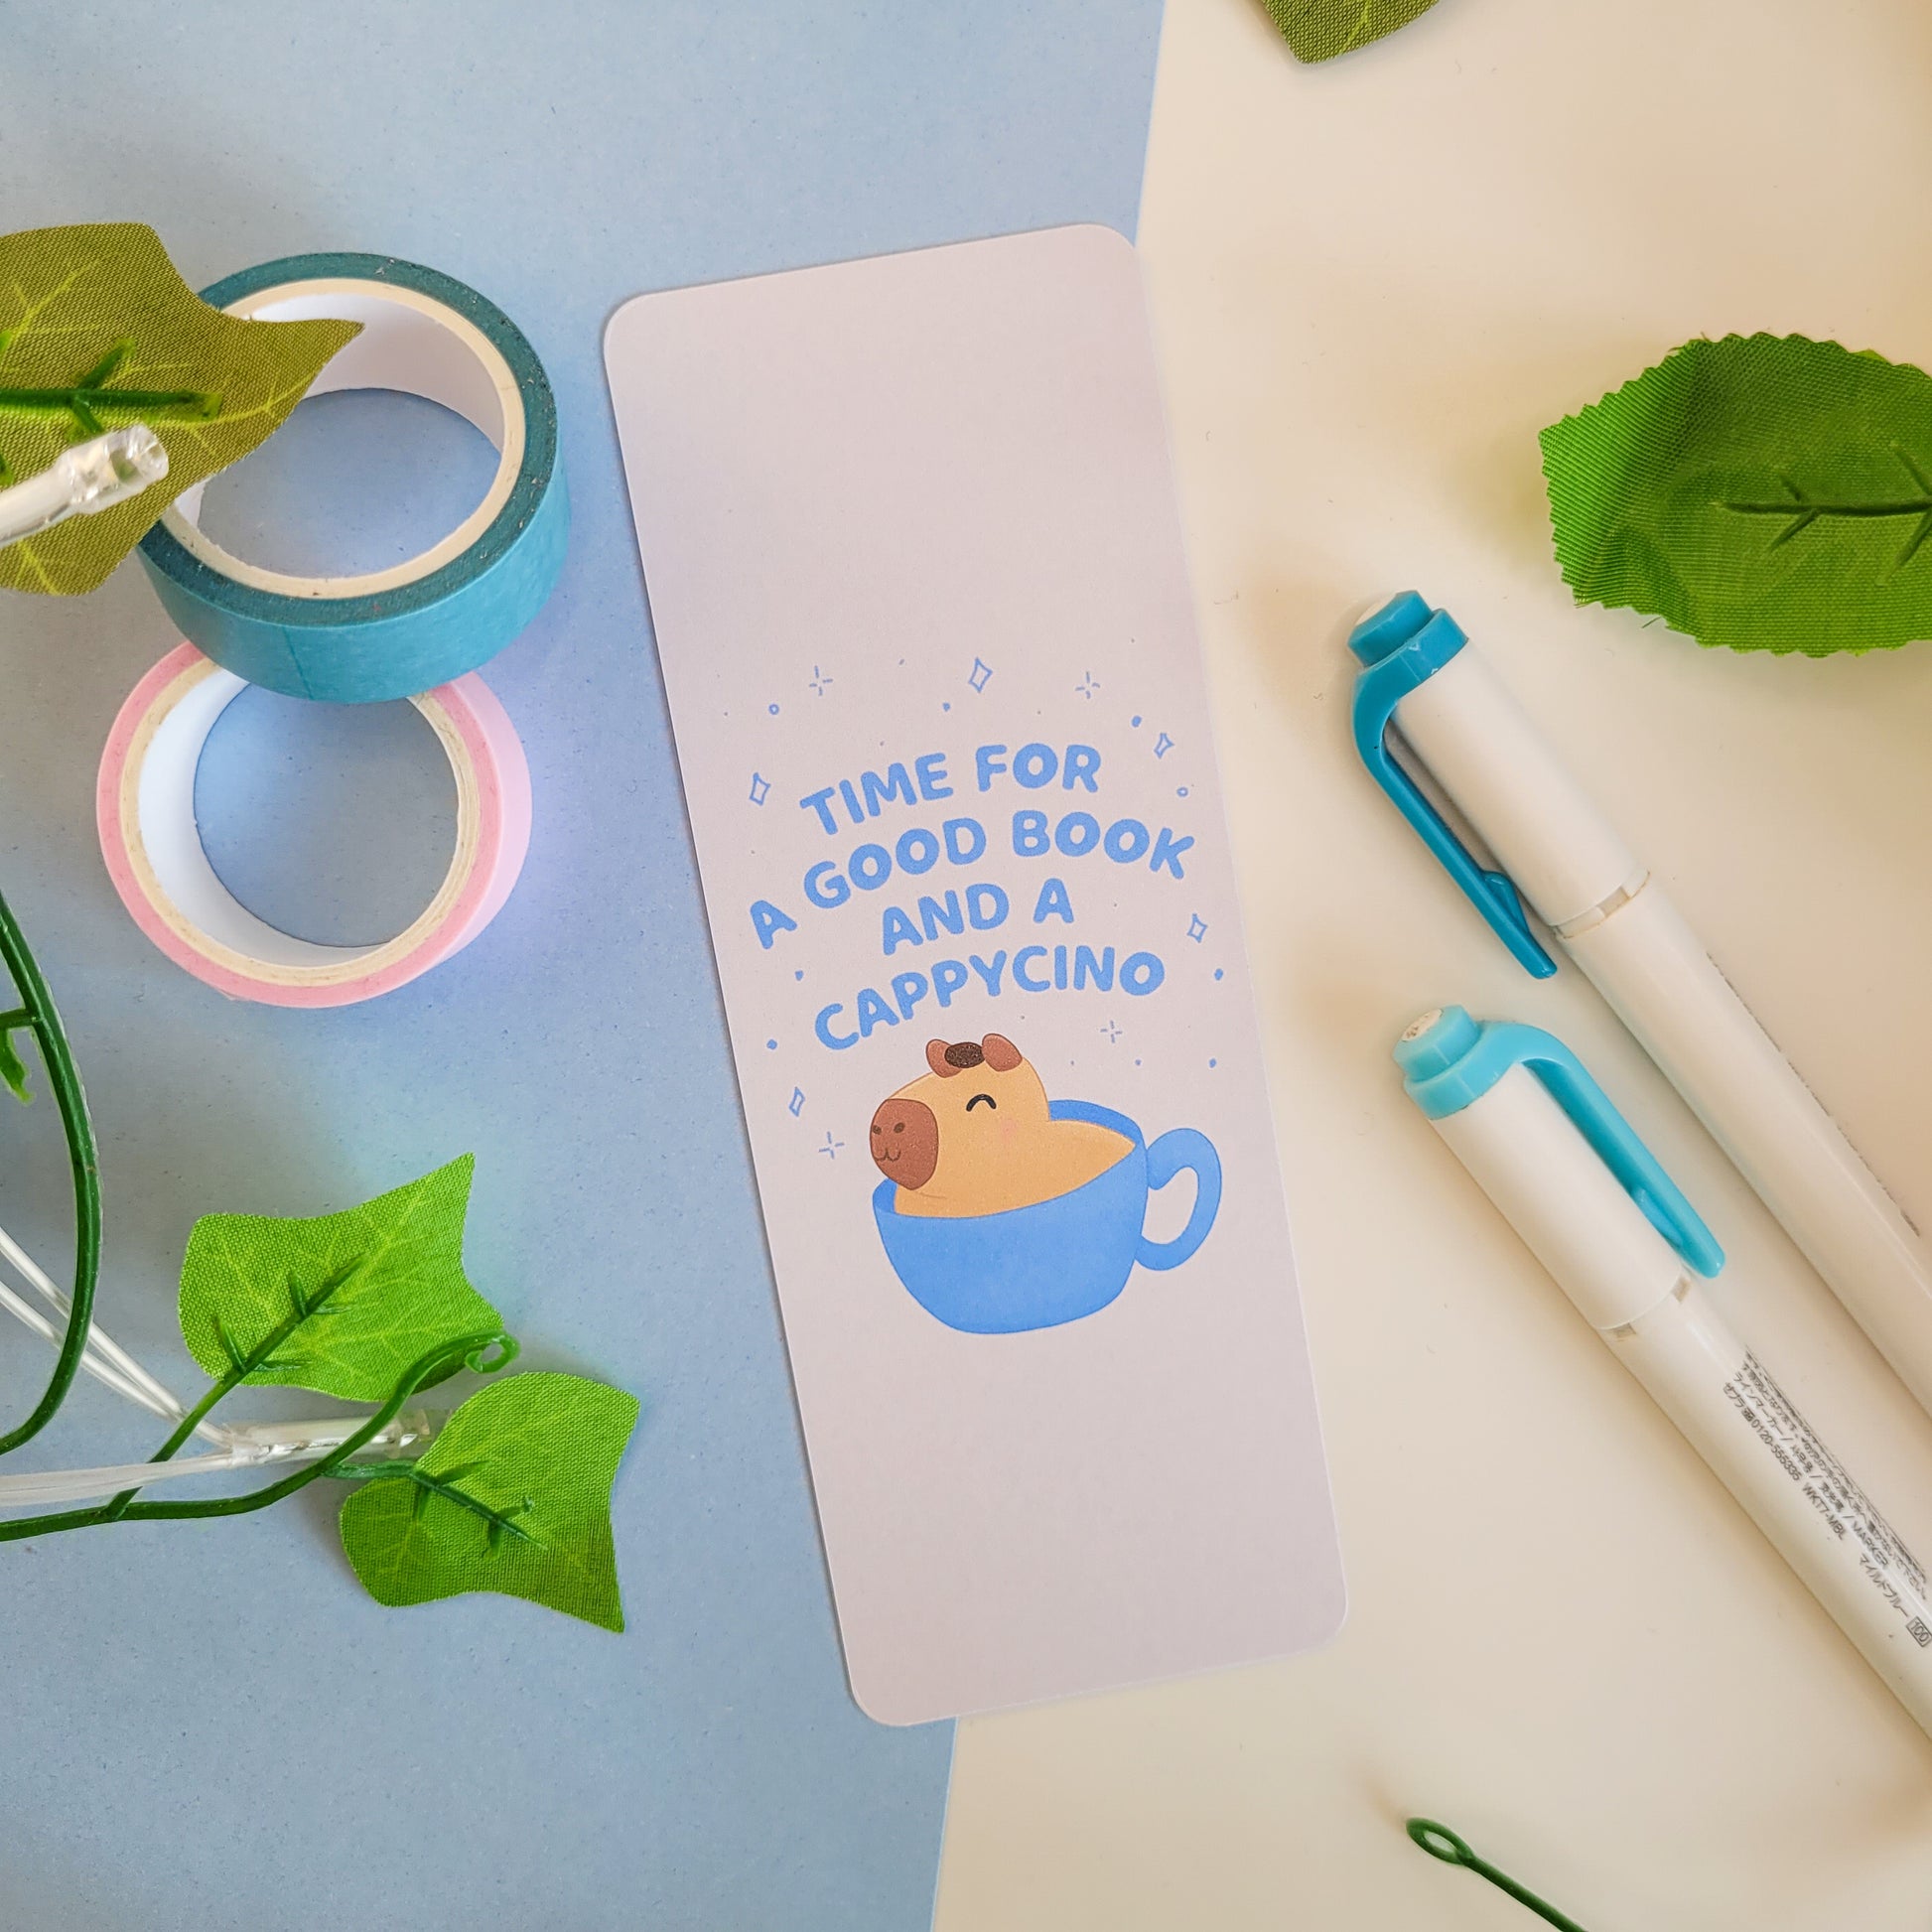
[{"x": 916, "y": 575}]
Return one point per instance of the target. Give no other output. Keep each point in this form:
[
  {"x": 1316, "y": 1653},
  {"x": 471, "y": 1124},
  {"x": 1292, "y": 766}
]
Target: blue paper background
[{"x": 209, "y": 1724}]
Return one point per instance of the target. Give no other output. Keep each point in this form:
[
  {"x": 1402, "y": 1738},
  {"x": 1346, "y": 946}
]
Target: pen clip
[
  {"x": 1382, "y": 685},
  {"x": 1448, "y": 1063},
  {"x": 1570, "y": 1084}
]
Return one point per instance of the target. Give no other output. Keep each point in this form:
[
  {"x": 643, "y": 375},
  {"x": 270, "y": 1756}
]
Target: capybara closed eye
[{"x": 978, "y": 1136}]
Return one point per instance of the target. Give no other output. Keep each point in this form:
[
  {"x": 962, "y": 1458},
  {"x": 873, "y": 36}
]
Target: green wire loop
[
  {"x": 43, "y": 1022},
  {"x": 1441, "y": 1842},
  {"x": 495, "y": 1357}
]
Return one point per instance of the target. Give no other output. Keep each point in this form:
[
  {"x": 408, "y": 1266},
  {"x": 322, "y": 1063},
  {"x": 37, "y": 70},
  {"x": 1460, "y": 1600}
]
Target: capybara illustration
[{"x": 974, "y": 1136}]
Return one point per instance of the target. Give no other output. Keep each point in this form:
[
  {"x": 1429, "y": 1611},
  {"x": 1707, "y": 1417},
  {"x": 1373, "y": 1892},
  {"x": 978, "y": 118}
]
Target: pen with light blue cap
[
  {"x": 1423, "y": 682},
  {"x": 1521, "y": 1112}
]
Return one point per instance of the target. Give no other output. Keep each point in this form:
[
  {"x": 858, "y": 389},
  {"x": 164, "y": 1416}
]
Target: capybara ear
[
  {"x": 1001, "y": 1056},
  {"x": 935, "y": 1058}
]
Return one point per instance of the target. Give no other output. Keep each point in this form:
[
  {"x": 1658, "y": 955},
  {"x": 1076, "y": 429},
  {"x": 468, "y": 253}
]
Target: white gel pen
[
  {"x": 1521, "y": 1113},
  {"x": 1424, "y": 679}
]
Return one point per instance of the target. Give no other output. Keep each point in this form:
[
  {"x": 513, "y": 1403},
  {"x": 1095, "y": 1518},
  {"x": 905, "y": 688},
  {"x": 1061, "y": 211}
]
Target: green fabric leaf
[
  {"x": 513, "y": 1495},
  {"x": 97, "y": 330},
  {"x": 13, "y": 1069},
  {"x": 344, "y": 1303},
  {"x": 1318, "y": 30},
  {"x": 1763, "y": 492}
]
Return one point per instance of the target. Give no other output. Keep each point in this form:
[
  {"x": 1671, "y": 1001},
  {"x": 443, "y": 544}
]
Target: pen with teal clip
[
  {"x": 1423, "y": 682},
  {"x": 1401, "y": 648},
  {"x": 1590, "y": 1201}
]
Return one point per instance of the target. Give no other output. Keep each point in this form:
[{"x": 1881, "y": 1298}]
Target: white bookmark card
[{"x": 915, "y": 571}]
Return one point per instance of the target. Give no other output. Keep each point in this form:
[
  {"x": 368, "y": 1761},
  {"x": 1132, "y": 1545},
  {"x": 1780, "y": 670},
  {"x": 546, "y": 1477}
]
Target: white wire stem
[
  {"x": 84, "y": 1485},
  {"x": 113, "y": 1367},
  {"x": 43, "y": 1325},
  {"x": 104, "y": 1358},
  {"x": 255, "y": 1445},
  {"x": 90, "y": 477}
]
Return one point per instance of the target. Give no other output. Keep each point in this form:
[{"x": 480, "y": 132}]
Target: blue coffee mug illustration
[{"x": 1057, "y": 1259}]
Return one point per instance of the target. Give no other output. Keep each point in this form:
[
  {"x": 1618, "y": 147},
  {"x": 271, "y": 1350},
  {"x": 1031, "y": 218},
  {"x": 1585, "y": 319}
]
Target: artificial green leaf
[
  {"x": 13, "y": 1069},
  {"x": 340, "y": 1303},
  {"x": 1763, "y": 492},
  {"x": 97, "y": 330},
  {"x": 1318, "y": 30},
  {"x": 512, "y": 1495}
]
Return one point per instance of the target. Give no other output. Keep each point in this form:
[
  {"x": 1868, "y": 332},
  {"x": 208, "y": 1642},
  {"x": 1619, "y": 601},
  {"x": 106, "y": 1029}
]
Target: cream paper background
[{"x": 1373, "y": 283}]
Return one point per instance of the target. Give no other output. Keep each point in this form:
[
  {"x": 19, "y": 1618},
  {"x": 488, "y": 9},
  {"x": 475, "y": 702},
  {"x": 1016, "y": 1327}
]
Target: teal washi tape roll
[{"x": 395, "y": 632}]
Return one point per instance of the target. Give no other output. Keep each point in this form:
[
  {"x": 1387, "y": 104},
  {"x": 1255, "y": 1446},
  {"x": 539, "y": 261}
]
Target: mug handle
[{"x": 1183, "y": 1148}]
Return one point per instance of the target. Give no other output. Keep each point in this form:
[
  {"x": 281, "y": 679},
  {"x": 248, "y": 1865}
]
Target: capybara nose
[{"x": 905, "y": 1142}]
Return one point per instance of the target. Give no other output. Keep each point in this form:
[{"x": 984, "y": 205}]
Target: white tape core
[
  {"x": 410, "y": 343},
  {"x": 182, "y": 883}
]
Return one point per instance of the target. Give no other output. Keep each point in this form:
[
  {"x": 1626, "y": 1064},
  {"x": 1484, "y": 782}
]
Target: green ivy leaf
[
  {"x": 1763, "y": 492},
  {"x": 1318, "y": 30},
  {"x": 13, "y": 1069},
  {"x": 342, "y": 1303},
  {"x": 97, "y": 330},
  {"x": 512, "y": 1495}
]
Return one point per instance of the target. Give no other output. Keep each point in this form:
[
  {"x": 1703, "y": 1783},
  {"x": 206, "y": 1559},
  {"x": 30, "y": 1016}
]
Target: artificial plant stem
[
  {"x": 83, "y": 396},
  {"x": 499, "y": 1523},
  {"x": 103, "y": 1358},
  {"x": 469, "y": 1350},
  {"x": 104, "y": 1371},
  {"x": 186, "y": 1427},
  {"x": 112, "y": 1510},
  {"x": 43, "y": 1021},
  {"x": 103, "y": 1344},
  {"x": 244, "y": 1366},
  {"x": 1453, "y": 1848},
  {"x": 50, "y": 1486},
  {"x": 88, "y": 1485}
]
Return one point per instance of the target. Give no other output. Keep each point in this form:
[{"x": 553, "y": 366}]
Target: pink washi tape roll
[{"x": 145, "y": 806}]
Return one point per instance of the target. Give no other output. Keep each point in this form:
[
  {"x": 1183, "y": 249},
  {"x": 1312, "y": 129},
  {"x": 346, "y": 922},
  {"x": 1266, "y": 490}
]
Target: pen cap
[
  {"x": 1566, "y": 1170},
  {"x": 1561, "y": 853}
]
